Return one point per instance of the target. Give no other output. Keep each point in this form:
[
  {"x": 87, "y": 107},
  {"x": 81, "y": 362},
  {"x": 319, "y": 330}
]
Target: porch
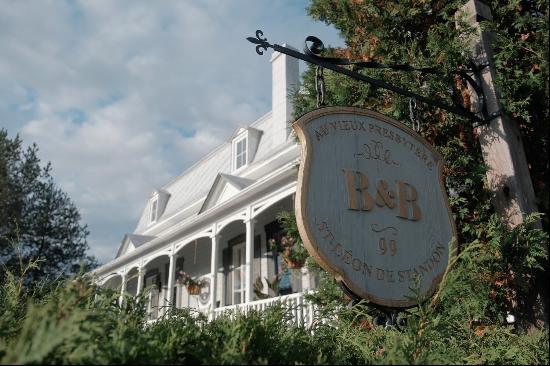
[
  {"x": 232, "y": 258},
  {"x": 301, "y": 311}
]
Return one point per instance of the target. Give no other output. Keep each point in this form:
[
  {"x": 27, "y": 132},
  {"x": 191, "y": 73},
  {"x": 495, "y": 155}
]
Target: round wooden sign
[{"x": 371, "y": 206}]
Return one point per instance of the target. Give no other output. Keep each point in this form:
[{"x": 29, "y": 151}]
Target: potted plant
[
  {"x": 290, "y": 246},
  {"x": 193, "y": 286},
  {"x": 292, "y": 250}
]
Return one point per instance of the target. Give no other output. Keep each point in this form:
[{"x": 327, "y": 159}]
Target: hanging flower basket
[
  {"x": 193, "y": 289},
  {"x": 193, "y": 286},
  {"x": 291, "y": 249},
  {"x": 294, "y": 264}
]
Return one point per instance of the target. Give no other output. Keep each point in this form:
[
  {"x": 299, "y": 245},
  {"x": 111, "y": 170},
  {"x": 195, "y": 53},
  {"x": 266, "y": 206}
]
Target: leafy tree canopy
[
  {"x": 37, "y": 219},
  {"x": 430, "y": 33}
]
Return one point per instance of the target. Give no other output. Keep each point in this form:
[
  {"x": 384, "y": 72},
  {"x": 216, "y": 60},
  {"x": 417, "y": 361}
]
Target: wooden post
[
  {"x": 249, "y": 255},
  {"x": 508, "y": 173},
  {"x": 171, "y": 279},
  {"x": 214, "y": 270},
  {"x": 249, "y": 288},
  {"x": 139, "y": 281},
  {"x": 122, "y": 288}
]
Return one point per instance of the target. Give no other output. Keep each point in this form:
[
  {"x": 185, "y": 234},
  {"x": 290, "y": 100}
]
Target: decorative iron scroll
[
  {"x": 317, "y": 47},
  {"x": 312, "y": 54},
  {"x": 261, "y": 42}
]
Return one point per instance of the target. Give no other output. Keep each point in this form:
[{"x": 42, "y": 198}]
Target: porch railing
[{"x": 302, "y": 310}]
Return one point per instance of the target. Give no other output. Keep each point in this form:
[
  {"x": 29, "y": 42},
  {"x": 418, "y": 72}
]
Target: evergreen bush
[
  {"x": 73, "y": 321},
  {"x": 465, "y": 322}
]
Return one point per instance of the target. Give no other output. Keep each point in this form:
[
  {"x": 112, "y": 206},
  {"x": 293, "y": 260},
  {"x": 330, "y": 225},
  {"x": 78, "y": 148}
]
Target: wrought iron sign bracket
[{"x": 313, "y": 55}]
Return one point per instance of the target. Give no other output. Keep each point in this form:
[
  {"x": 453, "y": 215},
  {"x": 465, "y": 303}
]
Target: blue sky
[{"x": 122, "y": 96}]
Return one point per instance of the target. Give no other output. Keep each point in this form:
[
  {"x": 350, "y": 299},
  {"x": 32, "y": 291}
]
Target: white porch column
[
  {"x": 171, "y": 278},
  {"x": 122, "y": 289},
  {"x": 140, "y": 281},
  {"x": 179, "y": 294},
  {"x": 249, "y": 253},
  {"x": 214, "y": 271}
]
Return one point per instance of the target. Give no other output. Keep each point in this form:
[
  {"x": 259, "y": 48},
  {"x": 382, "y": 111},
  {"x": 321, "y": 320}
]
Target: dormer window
[
  {"x": 244, "y": 144},
  {"x": 157, "y": 205},
  {"x": 240, "y": 152},
  {"x": 154, "y": 210}
]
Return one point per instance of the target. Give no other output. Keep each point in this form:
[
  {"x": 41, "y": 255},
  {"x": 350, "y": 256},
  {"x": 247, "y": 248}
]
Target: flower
[
  {"x": 185, "y": 279},
  {"x": 292, "y": 250},
  {"x": 290, "y": 246}
]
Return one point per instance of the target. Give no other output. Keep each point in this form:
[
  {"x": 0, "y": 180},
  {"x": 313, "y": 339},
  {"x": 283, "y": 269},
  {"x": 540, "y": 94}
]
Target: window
[
  {"x": 240, "y": 153},
  {"x": 154, "y": 210}
]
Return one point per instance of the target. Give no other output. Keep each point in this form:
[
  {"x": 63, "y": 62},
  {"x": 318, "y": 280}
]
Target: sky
[{"x": 122, "y": 96}]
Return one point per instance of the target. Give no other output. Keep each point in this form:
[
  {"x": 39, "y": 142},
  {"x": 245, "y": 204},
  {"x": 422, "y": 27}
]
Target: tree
[
  {"x": 37, "y": 219},
  {"x": 425, "y": 34},
  {"x": 521, "y": 59}
]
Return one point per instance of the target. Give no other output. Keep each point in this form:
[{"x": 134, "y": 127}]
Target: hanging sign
[{"x": 371, "y": 206}]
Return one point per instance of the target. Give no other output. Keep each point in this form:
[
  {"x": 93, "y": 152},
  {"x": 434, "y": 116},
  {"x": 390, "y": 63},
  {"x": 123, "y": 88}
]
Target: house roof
[
  {"x": 220, "y": 185},
  {"x": 196, "y": 186},
  {"x": 131, "y": 242}
]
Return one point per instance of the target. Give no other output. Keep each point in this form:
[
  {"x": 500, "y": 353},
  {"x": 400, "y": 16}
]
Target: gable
[
  {"x": 125, "y": 247},
  {"x": 225, "y": 186},
  {"x": 227, "y": 192},
  {"x": 131, "y": 242}
]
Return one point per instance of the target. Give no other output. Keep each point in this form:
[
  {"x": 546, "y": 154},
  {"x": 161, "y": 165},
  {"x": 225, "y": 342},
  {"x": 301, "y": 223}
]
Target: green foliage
[
  {"x": 521, "y": 45},
  {"x": 73, "y": 321},
  {"x": 425, "y": 33},
  {"x": 327, "y": 292},
  {"x": 496, "y": 270},
  {"x": 290, "y": 246},
  {"x": 523, "y": 254},
  {"x": 37, "y": 214},
  {"x": 287, "y": 219},
  {"x": 13, "y": 293}
]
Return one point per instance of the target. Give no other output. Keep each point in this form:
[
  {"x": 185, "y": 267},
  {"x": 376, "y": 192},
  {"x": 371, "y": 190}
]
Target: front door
[{"x": 238, "y": 273}]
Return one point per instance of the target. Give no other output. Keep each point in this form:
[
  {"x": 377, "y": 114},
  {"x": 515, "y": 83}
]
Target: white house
[{"x": 215, "y": 219}]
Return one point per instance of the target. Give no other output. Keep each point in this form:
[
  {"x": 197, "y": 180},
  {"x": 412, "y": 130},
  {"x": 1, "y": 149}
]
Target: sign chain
[
  {"x": 414, "y": 115},
  {"x": 320, "y": 86}
]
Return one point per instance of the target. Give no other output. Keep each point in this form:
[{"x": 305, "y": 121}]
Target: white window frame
[{"x": 236, "y": 141}]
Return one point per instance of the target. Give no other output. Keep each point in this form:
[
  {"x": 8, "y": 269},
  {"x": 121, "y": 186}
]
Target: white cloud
[{"x": 123, "y": 96}]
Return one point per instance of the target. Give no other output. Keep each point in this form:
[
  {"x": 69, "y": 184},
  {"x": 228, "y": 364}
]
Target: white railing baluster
[{"x": 302, "y": 311}]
